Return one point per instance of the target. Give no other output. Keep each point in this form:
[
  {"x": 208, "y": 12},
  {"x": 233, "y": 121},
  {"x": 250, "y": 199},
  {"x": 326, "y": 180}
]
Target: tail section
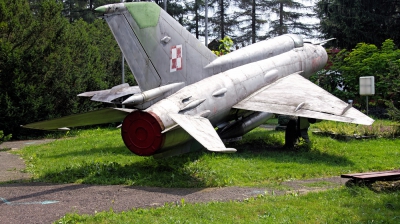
[{"x": 157, "y": 48}]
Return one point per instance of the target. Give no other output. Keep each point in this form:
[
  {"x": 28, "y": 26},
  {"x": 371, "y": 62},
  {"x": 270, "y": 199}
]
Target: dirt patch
[
  {"x": 14, "y": 145},
  {"x": 386, "y": 186},
  {"x": 312, "y": 185},
  {"x": 12, "y": 166}
]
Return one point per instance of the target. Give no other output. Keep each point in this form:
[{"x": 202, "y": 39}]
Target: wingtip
[{"x": 223, "y": 150}]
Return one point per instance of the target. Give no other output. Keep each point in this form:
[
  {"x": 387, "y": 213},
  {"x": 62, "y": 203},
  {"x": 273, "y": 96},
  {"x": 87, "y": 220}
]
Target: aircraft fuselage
[{"x": 213, "y": 97}]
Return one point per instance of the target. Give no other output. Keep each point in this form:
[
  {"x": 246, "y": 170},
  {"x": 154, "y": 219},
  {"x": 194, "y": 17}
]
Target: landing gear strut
[{"x": 291, "y": 134}]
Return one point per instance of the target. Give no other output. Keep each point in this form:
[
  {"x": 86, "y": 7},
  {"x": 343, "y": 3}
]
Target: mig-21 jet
[{"x": 187, "y": 98}]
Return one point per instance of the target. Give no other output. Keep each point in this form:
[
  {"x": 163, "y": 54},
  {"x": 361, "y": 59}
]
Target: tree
[
  {"x": 195, "y": 9},
  {"x": 250, "y": 20},
  {"x": 355, "y": 21},
  {"x": 82, "y": 9},
  {"x": 223, "y": 23},
  {"x": 45, "y": 61},
  {"x": 224, "y": 47},
  {"x": 289, "y": 15},
  {"x": 175, "y": 8}
]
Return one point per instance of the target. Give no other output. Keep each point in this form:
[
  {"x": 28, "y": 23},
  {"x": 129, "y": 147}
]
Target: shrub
[{"x": 3, "y": 137}]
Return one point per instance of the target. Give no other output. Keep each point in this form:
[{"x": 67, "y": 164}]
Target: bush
[
  {"x": 4, "y": 138},
  {"x": 392, "y": 111}
]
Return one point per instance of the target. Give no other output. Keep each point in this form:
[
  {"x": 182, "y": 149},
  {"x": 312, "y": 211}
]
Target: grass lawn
[
  {"x": 99, "y": 156},
  {"x": 345, "y": 205}
]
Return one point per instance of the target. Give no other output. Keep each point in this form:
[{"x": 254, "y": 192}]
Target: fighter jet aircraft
[{"x": 187, "y": 98}]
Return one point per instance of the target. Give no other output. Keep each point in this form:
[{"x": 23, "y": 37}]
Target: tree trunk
[
  {"x": 196, "y": 11},
  {"x": 222, "y": 19},
  {"x": 280, "y": 18},
  {"x": 253, "y": 22}
]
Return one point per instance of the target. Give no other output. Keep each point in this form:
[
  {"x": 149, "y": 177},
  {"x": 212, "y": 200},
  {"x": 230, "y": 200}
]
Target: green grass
[
  {"x": 380, "y": 128},
  {"x": 99, "y": 157},
  {"x": 272, "y": 121},
  {"x": 345, "y": 205}
]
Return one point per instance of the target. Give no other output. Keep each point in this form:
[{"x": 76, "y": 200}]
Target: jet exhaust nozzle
[{"x": 141, "y": 133}]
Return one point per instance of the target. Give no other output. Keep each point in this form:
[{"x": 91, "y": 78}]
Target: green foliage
[
  {"x": 4, "y": 138},
  {"x": 365, "y": 60},
  {"x": 331, "y": 78},
  {"x": 393, "y": 112},
  {"x": 75, "y": 10},
  {"x": 368, "y": 60},
  {"x": 45, "y": 61},
  {"x": 224, "y": 46},
  {"x": 379, "y": 129},
  {"x": 352, "y": 22}
]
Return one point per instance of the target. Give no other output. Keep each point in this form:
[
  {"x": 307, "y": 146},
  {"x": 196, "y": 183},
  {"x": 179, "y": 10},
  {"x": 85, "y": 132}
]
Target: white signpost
[{"x": 367, "y": 87}]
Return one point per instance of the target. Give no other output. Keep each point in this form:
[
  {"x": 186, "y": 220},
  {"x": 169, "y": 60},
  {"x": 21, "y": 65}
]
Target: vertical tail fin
[{"x": 157, "y": 48}]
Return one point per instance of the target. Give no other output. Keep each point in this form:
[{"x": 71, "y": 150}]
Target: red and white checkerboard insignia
[{"x": 176, "y": 58}]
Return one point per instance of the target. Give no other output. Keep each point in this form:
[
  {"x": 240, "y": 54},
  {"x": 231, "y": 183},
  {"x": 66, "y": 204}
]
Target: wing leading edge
[
  {"x": 102, "y": 116},
  {"x": 297, "y": 96}
]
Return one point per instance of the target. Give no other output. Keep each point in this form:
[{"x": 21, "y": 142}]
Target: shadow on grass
[
  {"x": 276, "y": 152},
  {"x": 180, "y": 171},
  {"x": 122, "y": 150},
  {"x": 146, "y": 172}
]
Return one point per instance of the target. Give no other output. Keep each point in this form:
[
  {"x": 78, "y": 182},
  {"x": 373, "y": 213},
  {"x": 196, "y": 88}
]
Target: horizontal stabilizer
[
  {"x": 297, "y": 96},
  {"x": 201, "y": 129},
  {"x": 102, "y": 116},
  {"x": 108, "y": 95}
]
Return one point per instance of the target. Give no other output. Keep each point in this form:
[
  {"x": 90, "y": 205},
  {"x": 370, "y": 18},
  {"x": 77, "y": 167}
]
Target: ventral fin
[{"x": 201, "y": 129}]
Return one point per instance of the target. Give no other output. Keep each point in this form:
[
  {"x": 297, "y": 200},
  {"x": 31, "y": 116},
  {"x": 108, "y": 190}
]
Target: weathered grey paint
[
  {"x": 256, "y": 52},
  {"x": 304, "y": 99},
  {"x": 240, "y": 82},
  {"x": 146, "y": 48},
  {"x": 246, "y": 124},
  {"x": 113, "y": 94}
]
